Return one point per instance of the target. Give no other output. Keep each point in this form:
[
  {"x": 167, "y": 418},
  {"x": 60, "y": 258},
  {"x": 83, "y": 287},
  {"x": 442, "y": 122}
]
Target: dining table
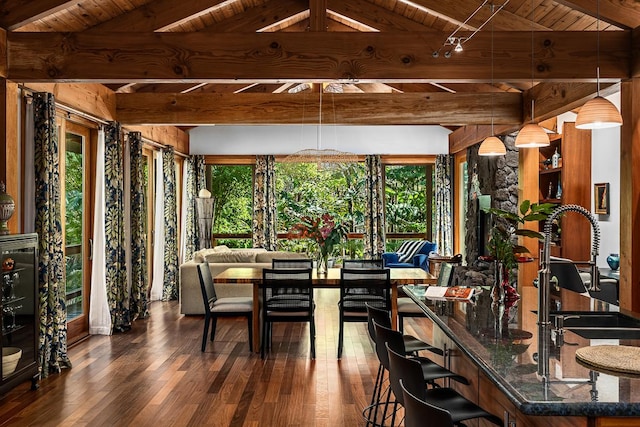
[{"x": 330, "y": 279}]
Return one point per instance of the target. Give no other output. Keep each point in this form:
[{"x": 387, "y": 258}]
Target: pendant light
[
  {"x": 492, "y": 146},
  {"x": 598, "y": 113},
  {"x": 532, "y": 135}
]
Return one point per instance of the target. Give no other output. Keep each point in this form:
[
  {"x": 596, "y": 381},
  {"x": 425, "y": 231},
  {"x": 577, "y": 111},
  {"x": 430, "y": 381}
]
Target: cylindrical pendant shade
[
  {"x": 598, "y": 113},
  {"x": 531, "y": 136},
  {"x": 492, "y": 146}
]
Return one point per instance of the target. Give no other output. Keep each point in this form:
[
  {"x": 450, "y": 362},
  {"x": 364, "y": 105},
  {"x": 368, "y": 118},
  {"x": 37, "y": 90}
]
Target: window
[
  {"x": 408, "y": 203},
  {"x": 231, "y": 187},
  {"x": 303, "y": 190},
  {"x": 76, "y": 171}
]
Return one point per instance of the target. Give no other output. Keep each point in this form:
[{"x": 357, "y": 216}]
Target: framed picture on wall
[{"x": 601, "y": 197}]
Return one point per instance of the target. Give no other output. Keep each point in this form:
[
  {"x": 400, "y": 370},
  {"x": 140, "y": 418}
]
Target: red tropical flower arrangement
[{"x": 324, "y": 230}]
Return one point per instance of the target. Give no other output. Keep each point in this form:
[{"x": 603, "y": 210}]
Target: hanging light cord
[
  {"x": 533, "y": 19},
  {"x": 492, "y": 90},
  {"x": 598, "y": 48}
]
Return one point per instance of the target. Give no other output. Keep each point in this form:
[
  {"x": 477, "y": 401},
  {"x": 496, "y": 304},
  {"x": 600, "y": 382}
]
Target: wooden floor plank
[{"x": 155, "y": 375}]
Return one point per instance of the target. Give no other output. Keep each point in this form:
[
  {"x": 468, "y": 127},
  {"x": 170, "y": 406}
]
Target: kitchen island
[{"x": 500, "y": 359}]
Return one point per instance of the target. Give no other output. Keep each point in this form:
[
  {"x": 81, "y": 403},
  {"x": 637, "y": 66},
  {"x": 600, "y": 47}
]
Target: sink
[{"x": 599, "y": 325}]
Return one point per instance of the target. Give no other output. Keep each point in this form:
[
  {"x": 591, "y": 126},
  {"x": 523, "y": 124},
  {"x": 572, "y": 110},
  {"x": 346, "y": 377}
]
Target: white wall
[
  {"x": 605, "y": 167},
  {"x": 286, "y": 139}
]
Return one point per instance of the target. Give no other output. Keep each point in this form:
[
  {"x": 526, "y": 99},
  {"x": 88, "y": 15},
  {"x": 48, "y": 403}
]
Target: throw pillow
[
  {"x": 199, "y": 256},
  {"x": 410, "y": 250}
]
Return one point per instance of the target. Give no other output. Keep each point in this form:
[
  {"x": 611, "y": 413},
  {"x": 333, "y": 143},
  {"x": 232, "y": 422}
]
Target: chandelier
[{"x": 325, "y": 159}]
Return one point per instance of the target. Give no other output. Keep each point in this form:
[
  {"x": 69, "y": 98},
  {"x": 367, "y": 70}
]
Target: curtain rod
[
  {"x": 93, "y": 118},
  {"x": 158, "y": 145}
]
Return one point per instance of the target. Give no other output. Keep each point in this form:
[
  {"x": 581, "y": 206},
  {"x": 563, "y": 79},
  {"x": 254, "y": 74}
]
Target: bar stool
[
  {"x": 430, "y": 372},
  {"x": 417, "y": 400}
]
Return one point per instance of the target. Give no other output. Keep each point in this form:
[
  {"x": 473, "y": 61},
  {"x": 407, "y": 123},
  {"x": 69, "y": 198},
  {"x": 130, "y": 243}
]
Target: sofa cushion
[
  {"x": 231, "y": 256},
  {"x": 270, "y": 256},
  {"x": 200, "y": 255}
]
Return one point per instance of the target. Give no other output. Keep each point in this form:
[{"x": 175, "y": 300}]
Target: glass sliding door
[{"x": 77, "y": 215}]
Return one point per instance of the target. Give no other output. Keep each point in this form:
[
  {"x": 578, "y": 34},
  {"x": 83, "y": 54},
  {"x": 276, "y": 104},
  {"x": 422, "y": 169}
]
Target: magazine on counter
[{"x": 449, "y": 293}]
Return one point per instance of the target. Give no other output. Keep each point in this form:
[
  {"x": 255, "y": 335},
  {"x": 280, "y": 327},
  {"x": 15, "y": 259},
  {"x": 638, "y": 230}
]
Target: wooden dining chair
[
  {"x": 359, "y": 287},
  {"x": 215, "y": 307},
  {"x": 287, "y": 296}
]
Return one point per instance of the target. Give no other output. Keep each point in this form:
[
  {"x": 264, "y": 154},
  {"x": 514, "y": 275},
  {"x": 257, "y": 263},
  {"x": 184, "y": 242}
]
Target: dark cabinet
[{"x": 19, "y": 278}]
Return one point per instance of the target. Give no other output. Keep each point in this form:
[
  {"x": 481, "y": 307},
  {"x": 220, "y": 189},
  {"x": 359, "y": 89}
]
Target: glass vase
[
  {"x": 497, "y": 299},
  {"x": 322, "y": 263}
]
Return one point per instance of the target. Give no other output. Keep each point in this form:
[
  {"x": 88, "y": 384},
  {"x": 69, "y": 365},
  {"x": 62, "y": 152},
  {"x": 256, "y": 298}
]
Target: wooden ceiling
[{"x": 192, "y": 62}]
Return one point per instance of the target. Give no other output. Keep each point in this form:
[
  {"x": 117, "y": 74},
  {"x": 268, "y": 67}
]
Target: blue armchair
[{"x": 412, "y": 253}]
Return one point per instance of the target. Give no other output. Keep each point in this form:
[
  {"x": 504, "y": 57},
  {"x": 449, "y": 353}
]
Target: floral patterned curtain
[
  {"x": 170, "y": 284},
  {"x": 195, "y": 181},
  {"x": 52, "y": 343},
  {"x": 138, "y": 304},
  {"x": 374, "y": 233},
  {"x": 264, "y": 203},
  {"x": 444, "y": 213},
  {"x": 115, "y": 257}
]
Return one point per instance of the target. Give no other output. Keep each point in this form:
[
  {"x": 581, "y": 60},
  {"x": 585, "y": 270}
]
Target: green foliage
[
  {"x": 303, "y": 190},
  {"x": 73, "y": 198},
  {"x": 502, "y": 243},
  {"x": 231, "y": 189},
  {"x": 405, "y": 193}
]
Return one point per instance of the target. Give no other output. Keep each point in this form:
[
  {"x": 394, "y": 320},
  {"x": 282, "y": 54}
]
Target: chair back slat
[
  {"x": 380, "y": 316},
  {"x": 287, "y": 290},
  {"x": 206, "y": 286},
  {"x": 417, "y": 412},
  {"x": 386, "y": 336},
  {"x": 407, "y": 370},
  {"x": 363, "y": 263},
  {"x": 292, "y": 263},
  {"x": 361, "y": 286}
]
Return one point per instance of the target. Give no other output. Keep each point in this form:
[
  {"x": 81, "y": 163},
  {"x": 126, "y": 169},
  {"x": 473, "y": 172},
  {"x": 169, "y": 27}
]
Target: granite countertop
[{"x": 510, "y": 361}]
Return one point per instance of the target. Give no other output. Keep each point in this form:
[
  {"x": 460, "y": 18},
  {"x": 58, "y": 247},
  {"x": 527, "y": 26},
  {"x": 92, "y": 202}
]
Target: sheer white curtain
[
  {"x": 99, "y": 314},
  {"x": 158, "y": 237},
  {"x": 183, "y": 213}
]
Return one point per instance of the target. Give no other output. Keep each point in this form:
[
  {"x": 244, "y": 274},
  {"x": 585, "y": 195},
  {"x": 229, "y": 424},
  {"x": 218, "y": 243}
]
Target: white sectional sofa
[{"x": 220, "y": 258}]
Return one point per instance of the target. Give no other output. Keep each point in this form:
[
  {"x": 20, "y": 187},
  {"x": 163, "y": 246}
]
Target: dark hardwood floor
[{"x": 156, "y": 375}]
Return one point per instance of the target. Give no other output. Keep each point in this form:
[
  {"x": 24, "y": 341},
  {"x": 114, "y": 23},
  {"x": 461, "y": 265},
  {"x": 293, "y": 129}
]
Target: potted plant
[
  {"x": 503, "y": 243},
  {"x": 506, "y": 252},
  {"x": 325, "y": 231}
]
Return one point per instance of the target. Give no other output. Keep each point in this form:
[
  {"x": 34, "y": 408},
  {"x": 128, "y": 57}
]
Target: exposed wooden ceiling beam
[
  {"x": 348, "y": 108},
  {"x": 277, "y": 57},
  {"x": 621, "y": 13},
  {"x": 16, "y": 13},
  {"x": 466, "y": 136},
  {"x": 318, "y": 15},
  {"x": 259, "y": 17},
  {"x": 156, "y": 15},
  {"x": 374, "y": 16},
  {"x": 552, "y": 99}
]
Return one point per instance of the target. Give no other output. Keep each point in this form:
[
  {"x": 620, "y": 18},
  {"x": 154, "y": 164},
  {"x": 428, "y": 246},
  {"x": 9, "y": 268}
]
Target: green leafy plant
[{"x": 503, "y": 239}]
